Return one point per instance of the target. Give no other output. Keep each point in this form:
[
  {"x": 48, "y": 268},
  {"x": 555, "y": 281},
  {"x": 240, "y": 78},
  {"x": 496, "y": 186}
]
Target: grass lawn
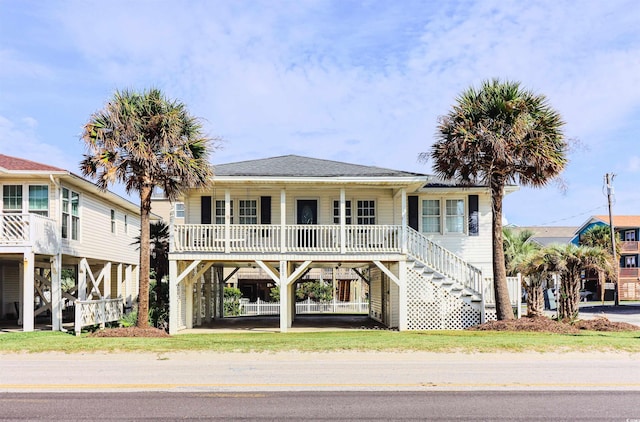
[{"x": 389, "y": 341}]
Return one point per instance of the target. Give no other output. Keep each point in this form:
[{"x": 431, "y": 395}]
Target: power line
[{"x": 574, "y": 216}]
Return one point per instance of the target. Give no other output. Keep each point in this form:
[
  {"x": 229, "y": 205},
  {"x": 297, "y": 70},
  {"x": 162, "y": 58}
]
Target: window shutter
[
  {"x": 205, "y": 210},
  {"x": 265, "y": 210},
  {"x": 413, "y": 212},
  {"x": 474, "y": 216}
]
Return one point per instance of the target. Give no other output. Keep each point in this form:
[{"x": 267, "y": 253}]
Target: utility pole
[{"x": 609, "y": 182}]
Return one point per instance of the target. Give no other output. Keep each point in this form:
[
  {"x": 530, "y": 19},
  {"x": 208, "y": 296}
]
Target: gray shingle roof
[{"x": 297, "y": 166}]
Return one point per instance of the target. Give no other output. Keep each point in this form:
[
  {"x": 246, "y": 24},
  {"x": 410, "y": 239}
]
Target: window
[
  {"x": 336, "y": 212},
  {"x": 630, "y": 262},
  {"x": 12, "y": 198},
  {"x": 630, "y": 236},
  {"x": 113, "y": 221},
  {"x": 431, "y": 215},
  {"x": 220, "y": 211},
  {"x": 248, "y": 211},
  {"x": 39, "y": 200},
  {"x": 70, "y": 202},
  {"x": 179, "y": 210},
  {"x": 454, "y": 217},
  {"x": 367, "y": 212}
]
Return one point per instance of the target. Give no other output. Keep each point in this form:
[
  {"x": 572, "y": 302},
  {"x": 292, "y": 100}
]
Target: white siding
[
  {"x": 10, "y": 284},
  {"x": 375, "y": 294},
  {"x": 325, "y": 197},
  {"x": 477, "y": 250},
  {"x": 96, "y": 239}
]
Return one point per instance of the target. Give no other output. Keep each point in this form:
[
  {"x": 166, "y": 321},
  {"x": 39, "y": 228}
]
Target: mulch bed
[
  {"x": 543, "y": 324},
  {"x": 130, "y": 332}
]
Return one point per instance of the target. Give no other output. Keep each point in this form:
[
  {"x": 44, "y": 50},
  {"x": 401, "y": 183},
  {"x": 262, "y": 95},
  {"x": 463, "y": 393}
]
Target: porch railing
[
  {"x": 261, "y": 238},
  {"x": 630, "y": 273},
  {"x": 308, "y": 306},
  {"x": 629, "y": 246},
  {"x": 443, "y": 261},
  {"x": 29, "y": 230},
  {"x": 94, "y": 312}
]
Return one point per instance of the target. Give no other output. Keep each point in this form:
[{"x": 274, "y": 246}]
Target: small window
[
  {"x": 113, "y": 221},
  {"x": 12, "y": 198},
  {"x": 179, "y": 210},
  {"x": 336, "y": 212},
  {"x": 367, "y": 212},
  {"x": 630, "y": 236},
  {"x": 431, "y": 215},
  {"x": 248, "y": 211},
  {"x": 39, "y": 200},
  {"x": 454, "y": 216},
  {"x": 220, "y": 211},
  {"x": 126, "y": 224},
  {"x": 75, "y": 215},
  {"x": 630, "y": 262}
]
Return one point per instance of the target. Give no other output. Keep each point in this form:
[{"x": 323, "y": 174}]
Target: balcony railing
[
  {"x": 630, "y": 273},
  {"x": 629, "y": 246},
  {"x": 264, "y": 238},
  {"x": 41, "y": 233}
]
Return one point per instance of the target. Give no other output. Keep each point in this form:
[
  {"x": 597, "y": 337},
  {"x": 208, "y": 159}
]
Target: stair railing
[{"x": 443, "y": 261}]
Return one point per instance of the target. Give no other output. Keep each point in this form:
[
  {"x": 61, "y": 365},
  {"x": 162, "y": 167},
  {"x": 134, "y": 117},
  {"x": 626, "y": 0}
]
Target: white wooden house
[
  {"x": 422, "y": 244},
  {"x": 50, "y": 220}
]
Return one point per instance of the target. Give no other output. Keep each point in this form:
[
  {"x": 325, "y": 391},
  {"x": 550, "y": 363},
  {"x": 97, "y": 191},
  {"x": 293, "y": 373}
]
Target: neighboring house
[
  {"x": 162, "y": 207},
  {"x": 548, "y": 235},
  {"x": 423, "y": 245},
  {"x": 627, "y": 231},
  {"x": 53, "y": 222}
]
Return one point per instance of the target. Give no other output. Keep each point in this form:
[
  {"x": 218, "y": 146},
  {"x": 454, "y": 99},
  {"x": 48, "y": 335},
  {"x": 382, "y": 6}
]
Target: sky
[{"x": 355, "y": 81}]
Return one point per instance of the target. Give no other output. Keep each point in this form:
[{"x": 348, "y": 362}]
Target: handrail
[{"x": 443, "y": 261}]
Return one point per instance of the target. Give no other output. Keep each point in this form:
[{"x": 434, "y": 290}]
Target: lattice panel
[
  {"x": 490, "y": 314},
  {"x": 430, "y": 307}
]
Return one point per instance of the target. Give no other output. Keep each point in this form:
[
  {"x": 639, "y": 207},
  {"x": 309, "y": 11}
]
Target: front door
[{"x": 307, "y": 214}]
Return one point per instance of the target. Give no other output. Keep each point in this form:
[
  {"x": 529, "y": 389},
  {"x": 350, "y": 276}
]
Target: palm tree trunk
[
  {"x": 145, "y": 229},
  {"x": 503, "y": 304},
  {"x": 535, "y": 300}
]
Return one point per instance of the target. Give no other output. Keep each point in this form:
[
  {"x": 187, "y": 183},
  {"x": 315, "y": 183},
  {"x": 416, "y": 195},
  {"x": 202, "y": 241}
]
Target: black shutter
[
  {"x": 413, "y": 212},
  {"x": 205, "y": 210},
  {"x": 474, "y": 216},
  {"x": 265, "y": 210}
]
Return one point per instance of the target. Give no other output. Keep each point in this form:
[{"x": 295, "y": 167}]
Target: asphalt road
[
  {"x": 292, "y": 371},
  {"x": 324, "y": 406}
]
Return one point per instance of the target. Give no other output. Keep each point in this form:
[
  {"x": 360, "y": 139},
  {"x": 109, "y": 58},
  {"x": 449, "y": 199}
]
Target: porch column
[
  {"x": 343, "y": 221},
  {"x": 208, "y": 308},
  {"x": 198, "y": 298},
  {"x": 285, "y": 307},
  {"x": 82, "y": 280},
  {"x": 189, "y": 296},
  {"x": 402, "y": 287},
  {"x": 27, "y": 291},
  {"x": 283, "y": 221},
  {"x": 56, "y": 293},
  {"x": 227, "y": 220},
  {"x": 128, "y": 282},
  {"x": 106, "y": 281},
  {"x": 119, "y": 268},
  {"x": 173, "y": 297},
  {"x": 403, "y": 202}
]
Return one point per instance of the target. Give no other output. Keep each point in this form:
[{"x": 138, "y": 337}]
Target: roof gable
[
  {"x": 11, "y": 164},
  {"x": 297, "y": 166}
]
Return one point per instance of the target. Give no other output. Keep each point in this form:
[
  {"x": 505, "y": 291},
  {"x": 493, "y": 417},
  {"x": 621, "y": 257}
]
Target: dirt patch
[
  {"x": 603, "y": 324},
  {"x": 130, "y": 332},
  {"x": 547, "y": 325}
]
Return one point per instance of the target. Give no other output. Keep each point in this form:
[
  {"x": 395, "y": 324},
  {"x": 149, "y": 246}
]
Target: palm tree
[
  {"x": 497, "y": 135},
  {"x": 159, "y": 258},
  {"x": 516, "y": 247},
  {"x": 537, "y": 268},
  {"x": 145, "y": 140},
  {"x": 569, "y": 261}
]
